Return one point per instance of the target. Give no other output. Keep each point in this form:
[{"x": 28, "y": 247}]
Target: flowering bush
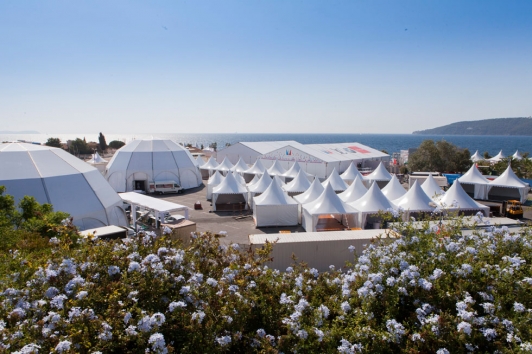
[{"x": 429, "y": 291}]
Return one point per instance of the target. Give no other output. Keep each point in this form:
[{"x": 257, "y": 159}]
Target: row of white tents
[{"x": 500, "y": 156}]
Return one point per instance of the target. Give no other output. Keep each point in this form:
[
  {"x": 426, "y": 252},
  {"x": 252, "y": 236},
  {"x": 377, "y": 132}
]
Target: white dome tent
[
  {"x": 509, "y": 186},
  {"x": 477, "y": 157},
  {"x": 328, "y": 212},
  {"x": 474, "y": 183},
  {"x": 414, "y": 201},
  {"x": 351, "y": 173},
  {"x": 142, "y": 161},
  {"x": 274, "y": 208},
  {"x": 456, "y": 199},
  {"x": 208, "y": 167},
  {"x": 297, "y": 185},
  {"x": 213, "y": 181},
  {"x": 355, "y": 191},
  {"x": 371, "y": 203},
  {"x": 379, "y": 175},
  {"x": 393, "y": 189},
  {"x": 229, "y": 195},
  {"x": 431, "y": 188},
  {"x": 336, "y": 182},
  {"x": 258, "y": 188},
  {"x": 54, "y": 176}
]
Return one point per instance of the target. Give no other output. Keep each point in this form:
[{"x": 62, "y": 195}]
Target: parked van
[{"x": 162, "y": 187}]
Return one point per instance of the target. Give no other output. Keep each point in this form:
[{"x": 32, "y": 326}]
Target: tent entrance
[{"x": 140, "y": 185}]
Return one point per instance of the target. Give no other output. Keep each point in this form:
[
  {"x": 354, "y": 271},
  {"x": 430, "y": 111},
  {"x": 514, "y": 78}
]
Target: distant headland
[
  {"x": 496, "y": 126},
  {"x": 19, "y": 132}
]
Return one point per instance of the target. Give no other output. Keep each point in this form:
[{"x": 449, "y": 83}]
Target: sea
[{"x": 389, "y": 142}]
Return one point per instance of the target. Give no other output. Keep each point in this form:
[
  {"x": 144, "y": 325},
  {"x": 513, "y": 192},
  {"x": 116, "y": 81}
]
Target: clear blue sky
[{"x": 261, "y": 66}]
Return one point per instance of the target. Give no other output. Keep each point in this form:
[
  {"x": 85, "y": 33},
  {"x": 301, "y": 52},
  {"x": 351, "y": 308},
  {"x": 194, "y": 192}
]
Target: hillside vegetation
[{"x": 495, "y": 126}]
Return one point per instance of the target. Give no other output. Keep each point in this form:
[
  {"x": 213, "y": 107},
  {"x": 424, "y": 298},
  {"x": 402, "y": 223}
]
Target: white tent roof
[
  {"x": 393, "y": 189},
  {"x": 262, "y": 184},
  {"x": 215, "y": 179},
  {"x": 276, "y": 169},
  {"x": 414, "y": 200},
  {"x": 355, "y": 191},
  {"x": 254, "y": 180},
  {"x": 96, "y": 158},
  {"x": 230, "y": 186},
  {"x": 498, "y": 157},
  {"x": 54, "y": 176},
  {"x": 273, "y": 195},
  {"x": 310, "y": 194},
  {"x": 299, "y": 184},
  {"x": 380, "y": 174},
  {"x": 473, "y": 176},
  {"x": 257, "y": 168},
  {"x": 351, "y": 173},
  {"x": 431, "y": 187},
  {"x": 279, "y": 181},
  {"x": 238, "y": 178},
  {"x": 336, "y": 182},
  {"x": 155, "y": 204},
  {"x": 328, "y": 203},
  {"x": 517, "y": 155},
  {"x": 477, "y": 157},
  {"x": 508, "y": 179},
  {"x": 240, "y": 166},
  {"x": 226, "y": 165},
  {"x": 211, "y": 164},
  {"x": 456, "y": 195},
  {"x": 372, "y": 201},
  {"x": 293, "y": 171}
]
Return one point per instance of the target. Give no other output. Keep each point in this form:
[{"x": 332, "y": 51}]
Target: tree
[
  {"x": 214, "y": 146},
  {"x": 522, "y": 168},
  {"x": 79, "y": 146},
  {"x": 53, "y": 142},
  {"x": 487, "y": 155},
  {"x": 116, "y": 144},
  {"x": 441, "y": 156},
  {"x": 103, "y": 143}
]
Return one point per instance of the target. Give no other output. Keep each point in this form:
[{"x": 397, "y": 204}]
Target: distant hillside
[{"x": 495, "y": 126}]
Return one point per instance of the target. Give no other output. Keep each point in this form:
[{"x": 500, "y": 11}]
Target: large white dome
[
  {"x": 142, "y": 161},
  {"x": 54, "y": 176}
]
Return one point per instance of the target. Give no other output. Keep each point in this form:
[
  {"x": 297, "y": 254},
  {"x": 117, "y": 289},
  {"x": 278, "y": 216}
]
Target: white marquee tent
[
  {"x": 393, "y": 189},
  {"x": 294, "y": 171},
  {"x": 330, "y": 205},
  {"x": 274, "y": 208},
  {"x": 254, "y": 180},
  {"x": 379, "y": 175},
  {"x": 240, "y": 166},
  {"x": 258, "y": 188},
  {"x": 497, "y": 157},
  {"x": 431, "y": 188},
  {"x": 517, "y": 155},
  {"x": 225, "y": 166},
  {"x": 98, "y": 162},
  {"x": 297, "y": 185},
  {"x": 371, "y": 203},
  {"x": 276, "y": 169},
  {"x": 250, "y": 151},
  {"x": 313, "y": 192},
  {"x": 355, "y": 191},
  {"x": 229, "y": 193},
  {"x": 238, "y": 177},
  {"x": 351, "y": 173},
  {"x": 477, "y": 157},
  {"x": 508, "y": 185},
  {"x": 142, "y": 161},
  {"x": 208, "y": 167},
  {"x": 336, "y": 182},
  {"x": 415, "y": 200},
  {"x": 213, "y": 181},
  {"x": 54, "y": 176},
  {"x": 474, "y": 183},
  {"x": 257, "y": 169},
  {"x": 456, "y": 198}
]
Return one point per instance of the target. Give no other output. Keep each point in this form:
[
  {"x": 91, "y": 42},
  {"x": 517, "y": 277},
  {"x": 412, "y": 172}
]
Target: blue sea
[{"x": 389, "y": 142}]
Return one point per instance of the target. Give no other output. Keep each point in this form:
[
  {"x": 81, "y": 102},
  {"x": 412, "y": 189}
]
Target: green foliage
[
  {"x": 487, "y": 155},
  {"x": 116, "y": 144},
  {"x": 440, "y": 156},
  {"x": 214, "y": 146},
  {"x": 102, "y": 143},
  {"x": 496, "y": 126},
  {"x": 79, "y": 147},
  {"x": 53, "y": 142},
  {"x": 522, "y": 168}
]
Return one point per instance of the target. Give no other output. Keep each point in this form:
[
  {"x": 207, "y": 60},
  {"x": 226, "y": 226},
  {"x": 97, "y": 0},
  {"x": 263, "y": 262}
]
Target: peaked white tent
[
  {"x": 477, "y": 157},
  {"x": 54, "y": 176},
  {"x": 379, "y": 175},
  {"x": 337, "y": 213},
  {"x": 351, "y": 173},
  {"x": 294, "y": 171},
  {"x": 258, "y": 188},
  {"x": 208, "y": 167},
  {"x": 474, "y": 183},
  {"x": 213, "y": 181},
  {"x": 415, "y": 200},
  {"x": 238, "y": 177},
  {"x": 240, "y": 166},
  {"x": 393, "y": 189},
  {"x": 456, "y": 198},
  {"x": 509, "y": 186},
  {"x": 274, "y": 208},
  {"x": 225, "y": 166},
  {"x": 371, "y": 203},
  {"x": 95, "y": 159},
  {"x": 355, "y": 191},
  {"x": 228, "y": 194},
  {"x": 254, "y": 180},
  {"x": 313, "y": 192},
  {"x": 257, "y": 169},
  {"x": 297, "y": 185},
  {"x": 276, "y": 169},
  {"x": 139, "y": 162},
  {"x": 497, "y": 157},
  {"x": 336, "y": 182},
  {"x": 517, "y": 155},
  {"x": 431, "y": 188}
]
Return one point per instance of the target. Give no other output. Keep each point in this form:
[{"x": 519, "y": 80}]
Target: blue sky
[{"x": 261, "y": 66}]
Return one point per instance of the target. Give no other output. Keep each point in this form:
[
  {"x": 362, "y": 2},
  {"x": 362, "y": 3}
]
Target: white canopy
[
  {"x": 477, "y": 157},
  {"x": 509, "y": 180},
  {"x": 313, "y": 192},
  {"x": 54, "y": 176},
  {"x": 274, "y": 208},
  {"x": 481, "y": 184},
  {"x": 299, "y": 184},
  {"x": 355, "y": 191},
  {"x": 336, "y": 182},
  {"x": 211, "y": 164},
  {"x": 240, "y": 166},
  {"x": 238, "y": 177},
  {"x": 225, "y": 166},
  {"x": 213, "y": 181},
  {"x": 457, "y": 199},
  {"x": 379, "y": 174},
  {"x": 517, "y": 155},
  {"x": 415, "y": 200},
  {"x": 293, "y": 171},
  {"x": 257, "y": 168},
  {"x": 431, "y": 188},
  {"x": 141, "y": 161},
  {"x": 96, "y": 159},
  {"x": 328, "y": 203},
  {"x": 257, "y": 188},
  {"x": 254, "y": 180},
  {"x": 276, "y": 169},
  {"x": 229, "y": 186},
  {"x": 393, "y": 189},
  {"x": 371, "y": 203},
  {"x": 351, "y": 173},
  {"x": 497, "y": 157}
]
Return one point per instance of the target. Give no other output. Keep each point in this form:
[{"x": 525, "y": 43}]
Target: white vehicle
[{"x": 162, "y": 187}]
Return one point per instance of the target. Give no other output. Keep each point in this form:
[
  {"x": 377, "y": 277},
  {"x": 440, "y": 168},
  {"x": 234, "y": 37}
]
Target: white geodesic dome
[
  {"x": 54, "y": 176},
  {"x": 142, "y": 161}
]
